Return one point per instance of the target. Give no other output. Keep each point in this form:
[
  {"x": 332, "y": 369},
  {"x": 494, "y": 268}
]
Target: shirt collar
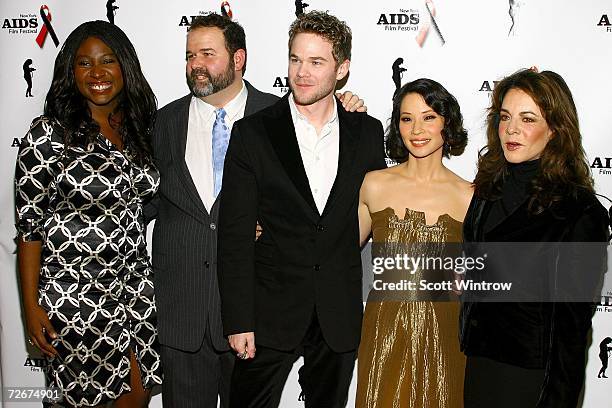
[
  {"x": 297, "y": 116},
  {"x": 232, "y": 108},
  {"x": 236, "y": 105}
]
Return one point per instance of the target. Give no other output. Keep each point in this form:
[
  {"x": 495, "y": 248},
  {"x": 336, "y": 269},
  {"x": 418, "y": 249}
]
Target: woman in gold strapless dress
[{"x": 409, "y": 355}]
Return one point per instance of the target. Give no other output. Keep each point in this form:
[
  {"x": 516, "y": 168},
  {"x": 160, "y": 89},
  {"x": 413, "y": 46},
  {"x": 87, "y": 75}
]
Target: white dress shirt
[
  {"x": 319, "y": 152},
  {"x": 198, "y": 151}
]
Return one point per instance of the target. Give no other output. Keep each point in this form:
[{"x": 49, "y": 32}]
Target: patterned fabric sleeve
[{"x": 34, "y": 180}]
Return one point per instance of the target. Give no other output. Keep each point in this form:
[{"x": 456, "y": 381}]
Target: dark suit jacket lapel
[
  {"x": 179, "y": 143},
  {"x": 349, "y": 139},
  {"x": 281, "y": 134},
  {"x": 254, "y": 102}
]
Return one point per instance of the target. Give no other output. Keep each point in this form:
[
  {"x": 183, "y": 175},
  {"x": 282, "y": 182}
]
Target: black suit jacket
[
  {"x": 185, "y": 235},
  {"x": 553, "y": 335},
  {"x": 304, "y": 261}
]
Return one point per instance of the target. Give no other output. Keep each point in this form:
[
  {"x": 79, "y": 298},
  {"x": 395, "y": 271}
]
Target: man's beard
[
  {"x": 323, "y": 91},
  {"x": 213, "y": 84}
]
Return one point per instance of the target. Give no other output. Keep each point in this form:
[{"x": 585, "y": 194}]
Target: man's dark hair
[
  {"x": 327, "y": 26},
  {"x": 233, "y": 32}
]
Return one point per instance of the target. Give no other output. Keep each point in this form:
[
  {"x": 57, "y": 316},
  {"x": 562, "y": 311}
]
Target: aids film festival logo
[
  {"x": 224, "y": 10},
  {"x": 281, "y": 85},
  {"x": 412, "y": 20},
  {"x": 604, "y": 22},
  {"x": 402, "y": 20},
  {"x": 487, "y": 86},
  {"x": 602, "y": 165},
  {"x": 37, "y": 364},
  {"x": 25, "y": 23},
  {"x": 185, "y": 21},
  {"x": 28, "y": 23}
]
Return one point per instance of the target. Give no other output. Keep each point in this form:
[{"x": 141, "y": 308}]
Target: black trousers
[
  {"x": 489, "y": 383},
  {"x": 325, "y": 376},
  {"x": 196, "y": 379}
]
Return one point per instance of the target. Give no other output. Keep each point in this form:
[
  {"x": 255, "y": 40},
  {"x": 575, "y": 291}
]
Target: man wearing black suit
[
  {"x": 296, "y": 167},
  {"x": 195, "y": 354}
]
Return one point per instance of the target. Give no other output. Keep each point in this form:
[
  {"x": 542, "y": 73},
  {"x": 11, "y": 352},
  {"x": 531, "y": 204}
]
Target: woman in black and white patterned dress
[{"x": 83, "y": 173}]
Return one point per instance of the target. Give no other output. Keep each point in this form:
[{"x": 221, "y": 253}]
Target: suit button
[
  {"x": 474, "y": 322},
  {"x": 320, "y": 228},
  {"x": 207, "y": 264},
  {"x": 317, "y": 267},
  {"x": 213, "y": 226}
]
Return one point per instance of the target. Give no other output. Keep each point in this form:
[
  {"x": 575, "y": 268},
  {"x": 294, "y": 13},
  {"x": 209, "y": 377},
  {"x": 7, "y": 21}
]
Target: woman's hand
[
  {"x": 38, "y": 326},
  {"x": 40, "y": 329}
]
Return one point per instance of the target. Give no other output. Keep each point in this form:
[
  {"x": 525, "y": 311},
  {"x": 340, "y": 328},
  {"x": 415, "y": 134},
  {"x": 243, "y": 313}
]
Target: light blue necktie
[{"x": 220, "y": 140}]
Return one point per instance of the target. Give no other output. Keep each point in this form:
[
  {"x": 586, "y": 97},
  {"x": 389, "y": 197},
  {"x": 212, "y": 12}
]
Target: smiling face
[
  {"x": 98, "y": 75},
  {"x": 420, "y": 127},
  {"x": 313, "y": 72},
  {"x": 210, "y": 68},
  {"x": 523, "y": 130}
]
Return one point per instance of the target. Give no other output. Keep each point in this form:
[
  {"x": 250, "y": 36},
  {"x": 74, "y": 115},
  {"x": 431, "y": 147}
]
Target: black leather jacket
[{"x": 545, "y": 335}]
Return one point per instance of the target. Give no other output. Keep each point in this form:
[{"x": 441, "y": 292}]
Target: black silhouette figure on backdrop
[
  {"x": 27, "y": 75},
  {"x": 299, "y": 7},
  {"x": 604, "y": 349},
  {"x": 398, "y": 70},
  {"x": 111, "y": 10}
]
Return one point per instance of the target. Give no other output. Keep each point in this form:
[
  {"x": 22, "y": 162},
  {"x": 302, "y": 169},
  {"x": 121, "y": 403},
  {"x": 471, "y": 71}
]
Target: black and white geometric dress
[{"x": 86, "y": 206}]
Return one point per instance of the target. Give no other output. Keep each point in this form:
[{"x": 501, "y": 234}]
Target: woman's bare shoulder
[
  {"x": 462, "y": 189},
  {"x": 380, "y": 176},
  {"x": 378, "y": 180}
]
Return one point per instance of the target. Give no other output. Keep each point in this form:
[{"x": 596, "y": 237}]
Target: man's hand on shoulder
[
  {"x": 243, "y": 344},
  {"x": 351, "y": 102}
]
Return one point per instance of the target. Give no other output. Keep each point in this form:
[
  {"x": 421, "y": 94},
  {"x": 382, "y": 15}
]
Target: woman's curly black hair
[
  {"x": 443, "y": 103},
  {"x": 137, "y": 103}
]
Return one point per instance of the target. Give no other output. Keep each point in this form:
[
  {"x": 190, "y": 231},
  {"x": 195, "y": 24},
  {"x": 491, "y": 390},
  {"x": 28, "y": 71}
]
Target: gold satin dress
[{"x": 409, "y": 354}]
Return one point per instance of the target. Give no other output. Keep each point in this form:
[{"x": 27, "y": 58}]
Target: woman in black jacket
[{"x": 533, "y": 189}]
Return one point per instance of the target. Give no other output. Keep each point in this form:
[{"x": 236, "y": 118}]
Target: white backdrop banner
[{"x": 467, "y": 46}]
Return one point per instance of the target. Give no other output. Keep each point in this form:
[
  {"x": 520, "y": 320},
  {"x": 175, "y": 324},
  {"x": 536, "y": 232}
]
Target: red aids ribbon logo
[
  {"x": 226, "y": 9},
  {"x": 422, "y": 35},
  {"x": 47, "y": 28}
]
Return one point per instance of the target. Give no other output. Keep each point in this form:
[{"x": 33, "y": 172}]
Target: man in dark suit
[
  {"x": 195, "y": 356},
  {"x": 296, "y": 167},
  {"x": 188, "y": 145}
]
